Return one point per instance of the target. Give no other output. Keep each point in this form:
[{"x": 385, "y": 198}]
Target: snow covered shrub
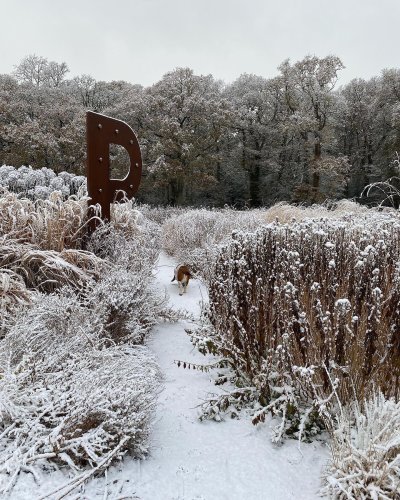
[
  {"x": 66, "y": 393},
  {"x": 46, "y": 270},
  {"x": 129, "y": 240},
  {"x": 128, "y": 293},
  {"x": 129, "y": 303},
  {"x": 193, "y": 236},
  {"x": 13, "y": 296},
  {"x": 160, "y": 214},
  {"x": 52, "y": 224},
  {"x": 309, "y": 310},
  {"x": 366, "y": 451},
  {"x": 38, "y": 184},
  {"x": 285, "y": 213}
]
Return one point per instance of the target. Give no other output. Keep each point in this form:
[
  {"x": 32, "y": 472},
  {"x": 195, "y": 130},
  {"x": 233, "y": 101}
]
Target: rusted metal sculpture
[{"x": 101, "y": 131}]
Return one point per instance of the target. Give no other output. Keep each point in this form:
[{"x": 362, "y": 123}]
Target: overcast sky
[{"x": 140, "y": 40}]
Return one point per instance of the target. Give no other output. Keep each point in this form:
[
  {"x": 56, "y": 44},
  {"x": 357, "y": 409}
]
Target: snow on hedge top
[{"x": 37, "y": 184}]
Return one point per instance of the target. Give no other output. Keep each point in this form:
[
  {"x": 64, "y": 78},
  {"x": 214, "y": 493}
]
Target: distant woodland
[{"x": 296, "y": 137}]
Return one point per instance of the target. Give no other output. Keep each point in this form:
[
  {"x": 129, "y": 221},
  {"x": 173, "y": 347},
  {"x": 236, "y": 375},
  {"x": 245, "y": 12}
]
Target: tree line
[{"x": 254, "y": 142}]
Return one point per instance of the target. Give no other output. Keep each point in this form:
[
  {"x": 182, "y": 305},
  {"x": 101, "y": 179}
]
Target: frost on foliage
[
  {"x": 68, "y": 392},
  {"x": 13, "y": 296},
  {"x": 129, "y": 243},
  {"x": 50, "y": 224},
  {"x": 47, "y": 270},
  {"x": 366, "y": 451},
  {"x": 278, "y": 306},
  {"x": 193, "y": 236},
  {"x": 38, "y": 184},
  {"x": 77, "y": 385},
  {"x": 130, "y": 304}
]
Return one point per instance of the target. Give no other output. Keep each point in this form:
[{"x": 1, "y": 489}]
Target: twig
[{"x": 71, "y": 485}]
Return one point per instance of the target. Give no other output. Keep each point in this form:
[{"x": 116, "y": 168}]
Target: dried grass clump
[
  {"x": 53, "y": 224},
  {"x": 307, "y": 311},
  {"x": 285, "y": 213},
  {"x": 129, "y": 240},
  {"x": 193, "y": 237},
  {"x": 13, "y": 296},
  {"x": 59, "y": 224},
  {"x": 47, "y": 270},
  {"x": 366, "y": 451},
  {"x": 125, "y": 218}
]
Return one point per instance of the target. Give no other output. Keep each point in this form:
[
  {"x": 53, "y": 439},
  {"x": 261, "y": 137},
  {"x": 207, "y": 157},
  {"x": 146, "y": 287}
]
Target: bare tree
[{"x": 38, "y": 71}]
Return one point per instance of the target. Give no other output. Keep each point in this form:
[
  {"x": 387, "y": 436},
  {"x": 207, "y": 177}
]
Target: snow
[{"x": 193, "y": 460}]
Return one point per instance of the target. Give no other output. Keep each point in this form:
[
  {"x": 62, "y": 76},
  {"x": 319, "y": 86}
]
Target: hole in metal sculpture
[{"x": 119, "y": 162}]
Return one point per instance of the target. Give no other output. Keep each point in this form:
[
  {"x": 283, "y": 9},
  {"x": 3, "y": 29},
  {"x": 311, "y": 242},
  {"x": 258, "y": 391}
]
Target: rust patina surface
[{"x": 101, "y": 131}]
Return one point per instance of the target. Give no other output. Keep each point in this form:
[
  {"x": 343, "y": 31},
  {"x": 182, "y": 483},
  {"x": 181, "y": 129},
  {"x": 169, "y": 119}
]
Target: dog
[{"x": 182, "y": 275}]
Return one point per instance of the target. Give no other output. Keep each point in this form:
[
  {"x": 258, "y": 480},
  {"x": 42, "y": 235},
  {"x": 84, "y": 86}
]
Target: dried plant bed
[
  {"x": 366, "y": 451},
  {"x": 308, "y": 314},
  {"x": 193, "y": 236},
  {"x": 52, "y": 224},
  {"x": 160, "y": 214},
  {"x": 286, "y": 213},
  {"x": 59, "y": 224},
  {"x": 72, "y": 389},
  {"x": 77, "y": 387},
  {"x": 47, "y": 270}
]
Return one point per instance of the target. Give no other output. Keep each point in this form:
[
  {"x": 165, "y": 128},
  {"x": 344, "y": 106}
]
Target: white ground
[{"x": 193, "y": 460}]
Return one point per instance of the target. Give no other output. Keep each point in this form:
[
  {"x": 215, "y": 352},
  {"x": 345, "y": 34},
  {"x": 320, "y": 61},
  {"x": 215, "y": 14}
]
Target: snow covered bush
[
  {"x": 46, "y": 270},
  {"x": 68, "y": 393},
  {"x": 38, "y": 184},
  {"x": 366, "y": 451},
  {"x": 193, "y": 236},
  {"x": 13, "y": 296},
  {"x": 307, "y": 311},
  {"x": 129, "y": 240},
  {"x": 77, "y": 385},
  {"x": 52, "y": 224},
  {"x": 129, "y": 303},
  {"x": 285, "y": 213}
]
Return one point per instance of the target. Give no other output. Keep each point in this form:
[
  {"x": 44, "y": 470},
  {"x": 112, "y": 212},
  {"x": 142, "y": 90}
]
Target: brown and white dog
[{"x": 182, "y": 275}]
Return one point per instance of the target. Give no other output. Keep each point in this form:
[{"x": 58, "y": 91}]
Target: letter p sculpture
[{"x": 101, "y": 131}]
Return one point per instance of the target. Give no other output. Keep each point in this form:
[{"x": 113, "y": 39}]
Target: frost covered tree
[
  {"x": 366, "y": 128},
  {"x": 293, "y": 137},
  {"x": 38, "y": 71},
  {"x": 309, "y": 102},
  {"x": 43, "y": 126},
  {"x": 183, "y": 125},
  {"x": 255, "y": 128}
]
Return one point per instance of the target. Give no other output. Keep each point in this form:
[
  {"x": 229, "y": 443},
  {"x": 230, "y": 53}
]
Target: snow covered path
[
  {"x": 193, "y": 460},
  {"x": 189, "y": 459}
]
